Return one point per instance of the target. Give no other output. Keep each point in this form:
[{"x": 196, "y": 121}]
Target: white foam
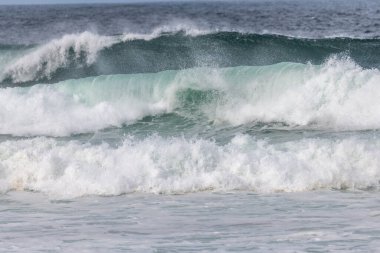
[
  {"x": 46, "y": 110},
  {"x": 43, "y": 61},
  {"x": 176, "y": 165},
  {"x": 339, "y": 94},
  {"x": 46, "y": 59}
]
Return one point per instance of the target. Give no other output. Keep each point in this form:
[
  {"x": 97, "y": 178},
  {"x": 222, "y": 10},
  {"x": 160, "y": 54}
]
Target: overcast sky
[{"x": 72, "y": 1}]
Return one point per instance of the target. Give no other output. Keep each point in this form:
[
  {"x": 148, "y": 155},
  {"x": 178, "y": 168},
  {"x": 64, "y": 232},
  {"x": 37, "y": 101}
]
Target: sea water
[{"x": 246, "y": 126}]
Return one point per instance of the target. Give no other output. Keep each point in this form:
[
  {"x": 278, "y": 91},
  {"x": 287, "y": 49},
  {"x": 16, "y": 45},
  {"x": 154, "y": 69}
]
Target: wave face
[
  {"x": 337, "y": 95},
  {"x": 88, "y": 54},
  {"x": 154, "y": 165}
]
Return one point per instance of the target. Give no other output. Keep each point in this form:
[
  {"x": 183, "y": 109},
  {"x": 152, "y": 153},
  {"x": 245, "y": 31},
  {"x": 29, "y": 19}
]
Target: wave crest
[{"x": 45, "y": 60}]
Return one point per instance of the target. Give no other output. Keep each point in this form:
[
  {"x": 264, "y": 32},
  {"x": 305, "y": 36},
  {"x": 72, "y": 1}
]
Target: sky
[{"x": 11, "y": 2}]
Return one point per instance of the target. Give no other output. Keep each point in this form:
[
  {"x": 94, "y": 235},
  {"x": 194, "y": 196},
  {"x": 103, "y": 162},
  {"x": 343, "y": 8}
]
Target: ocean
[{"x": 199, "y": 126}]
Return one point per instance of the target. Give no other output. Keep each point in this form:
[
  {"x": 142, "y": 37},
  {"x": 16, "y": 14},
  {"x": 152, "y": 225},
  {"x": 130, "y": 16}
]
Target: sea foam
[{"x": 176, "y": 165}]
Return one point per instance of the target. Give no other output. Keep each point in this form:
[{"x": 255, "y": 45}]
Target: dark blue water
[{"x": 316, "y": 18}]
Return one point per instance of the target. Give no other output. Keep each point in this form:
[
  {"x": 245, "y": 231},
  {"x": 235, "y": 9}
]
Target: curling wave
[
  {"x": 88, "y": 54},
  {"x": 44, "y": 61},
  {"x": 337, "y": 95}
]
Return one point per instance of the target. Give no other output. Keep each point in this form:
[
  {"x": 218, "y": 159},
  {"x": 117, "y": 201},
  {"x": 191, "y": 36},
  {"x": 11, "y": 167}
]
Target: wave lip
[
  {"x": 154, "y": 165},
  {"x": 47, "y": 59}
]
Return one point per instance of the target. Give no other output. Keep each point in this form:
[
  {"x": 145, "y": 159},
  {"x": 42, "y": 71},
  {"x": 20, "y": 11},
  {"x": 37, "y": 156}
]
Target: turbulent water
[{"x": 259, "y": 105}]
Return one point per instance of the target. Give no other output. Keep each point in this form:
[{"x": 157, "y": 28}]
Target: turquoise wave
[{"x": 338, "y": 95}]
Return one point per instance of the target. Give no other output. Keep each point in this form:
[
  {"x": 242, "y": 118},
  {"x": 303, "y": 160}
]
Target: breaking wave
[
  {"x": 176, "y": 165},
  {"x": 88, "y": 54},
  {"x": 337, "y": 95}
]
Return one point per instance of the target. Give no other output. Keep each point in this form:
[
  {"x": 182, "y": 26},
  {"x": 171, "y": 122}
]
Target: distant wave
[
  {"x": 337, "y": 95},
  {"x": 176, "y": 165},
  {"x": 88, "y": 54}
]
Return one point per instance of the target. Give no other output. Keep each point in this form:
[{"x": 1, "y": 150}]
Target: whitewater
[{"x": 190, "y": 126}]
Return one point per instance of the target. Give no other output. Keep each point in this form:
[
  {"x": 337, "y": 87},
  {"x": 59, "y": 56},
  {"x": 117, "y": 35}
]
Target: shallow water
[{"x": 322, "y": 221}]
